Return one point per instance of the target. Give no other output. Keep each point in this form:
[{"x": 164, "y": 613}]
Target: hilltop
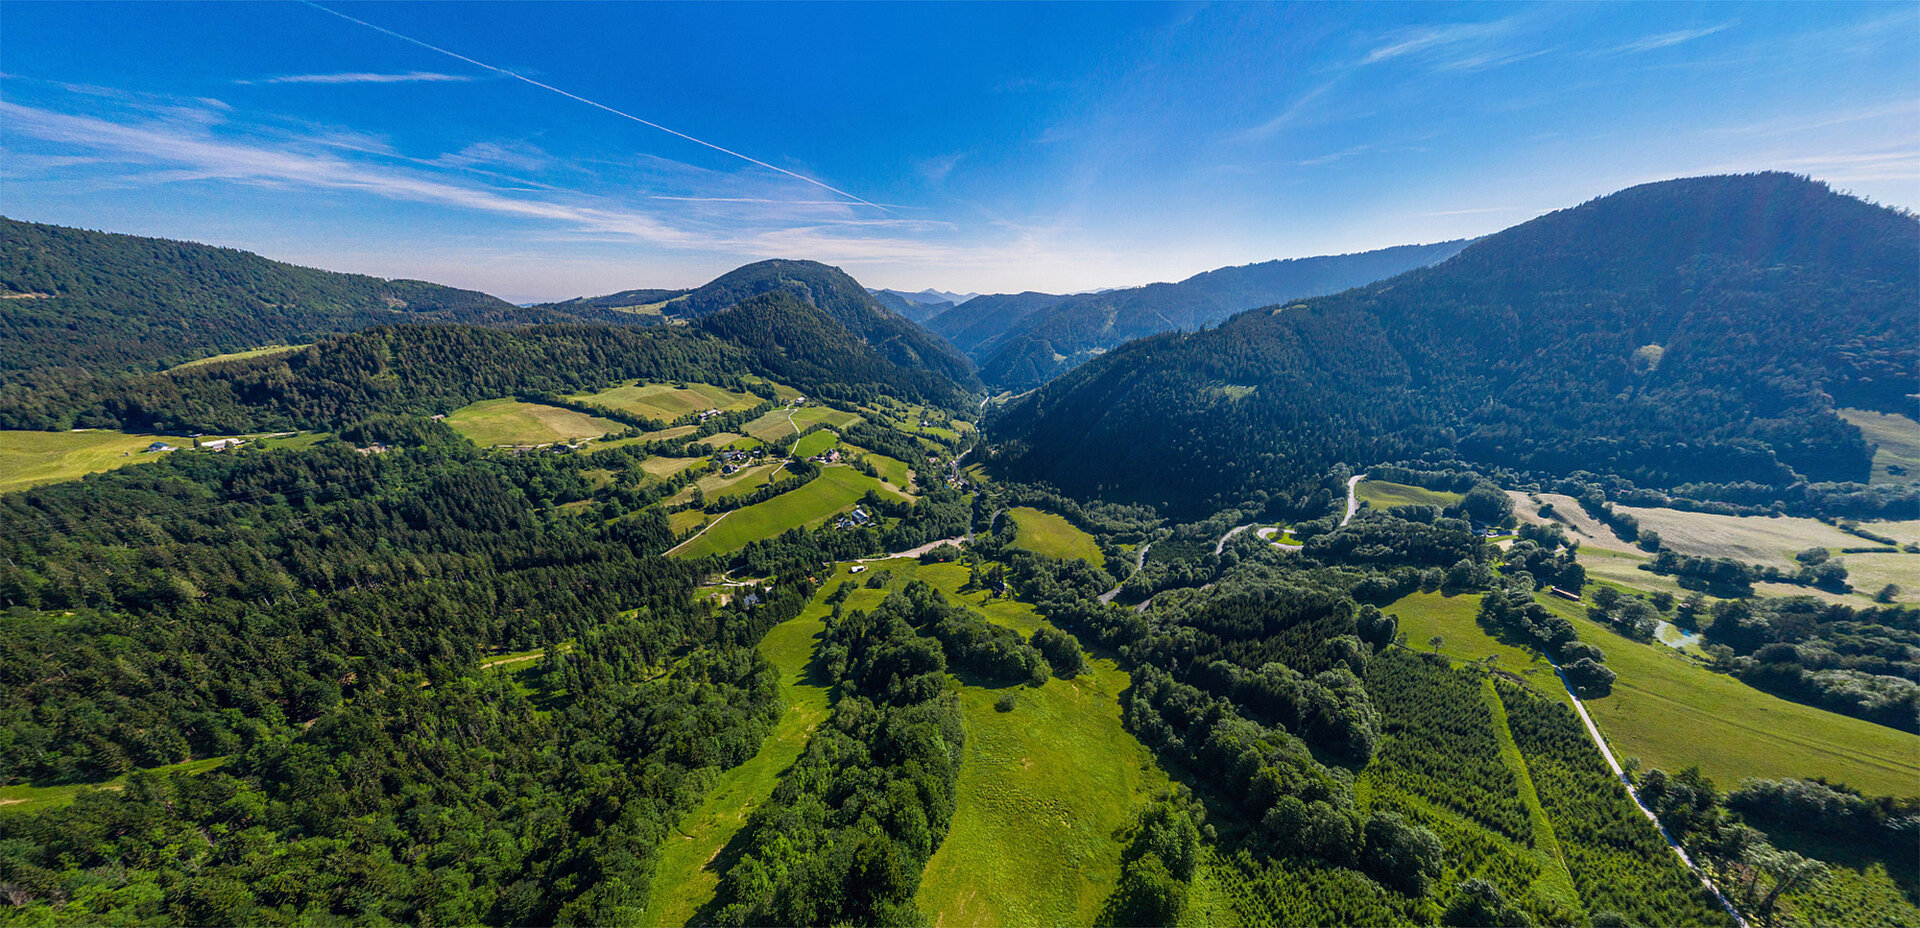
[{"x": 1696, "y": 330}]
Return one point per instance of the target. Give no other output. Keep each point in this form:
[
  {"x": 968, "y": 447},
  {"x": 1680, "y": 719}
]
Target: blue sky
[{"x": 988, "y": 147}]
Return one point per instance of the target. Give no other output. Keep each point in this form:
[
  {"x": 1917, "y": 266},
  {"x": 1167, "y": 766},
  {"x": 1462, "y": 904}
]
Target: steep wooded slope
[
  {"x": 1691, "y": 330},
  {"x": 107, "y": 302}
]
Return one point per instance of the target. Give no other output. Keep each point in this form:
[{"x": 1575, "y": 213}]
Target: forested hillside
[
  {"x": 836, "y": 294},
  {"x": 71, "y": 298},
  {"x": 1698, "y": 330},
  {"x": 1029, "y": 338}
]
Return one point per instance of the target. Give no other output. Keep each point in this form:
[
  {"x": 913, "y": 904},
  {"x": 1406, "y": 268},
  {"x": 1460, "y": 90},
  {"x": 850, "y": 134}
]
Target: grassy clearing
[
  {"x": 1381, "y": 494},
  {"x": 891, "y": 470},
  {"x": 23, "y": 798},
  {"x": 686, "y": 520},
  {"x": 33, "y": 458},
  {"x": 683, "y": 880},
  {"x": 1043, "y": 789},
  {"x": 267, "y": 351},
  {"x": 1047, "y": 534},
  {"x": 1673, "y": 713},
  {"x": 1899, "y": 441},
  {"x": 667, "y": 402},
  {"x": 511, "y": 422},
  {"x": 816, "y": 443},
  {"x": 1423, "y": 616},
  {"x": 837, "y": 489}
]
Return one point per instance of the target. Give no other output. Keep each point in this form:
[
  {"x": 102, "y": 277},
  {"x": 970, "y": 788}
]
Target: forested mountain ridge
[
  {"x": 985, "y": 318},
  {"x": 833, "y": 292},
  {"x": 105, "y": 302},
  {"x": 1691, "y": 330},
  {"x": 1039, "y": 342}
]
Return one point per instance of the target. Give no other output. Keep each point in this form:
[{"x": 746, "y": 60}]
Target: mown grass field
[
  {"x": 32, "y": 458},
  {"x": 667, "y": 467},
  {"x": 1672, "y": 713},
  {"x": 1899, "y": 441},
  {"x": 511, "y": 422},
  {"x": 774, "y": 426},
  {"x": 265, "y": 352},
  {"x": 1869, "y": 572},
  {"x": 1748, "y": 539},
  {"x": 683, "y": 880},
  {"x": 1047, "y": 534},
  {"x": 808, "y": 416},
  {"x": 836, "y": 489},
  {"x": 24, "y": 798},
  {"x": 666, "y": 402},
  {"x": 1381, "y": 494}
]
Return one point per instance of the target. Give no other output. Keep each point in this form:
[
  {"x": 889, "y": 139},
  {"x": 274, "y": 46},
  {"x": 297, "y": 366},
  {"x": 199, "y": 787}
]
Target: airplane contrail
[{"x": 602, "y": 106}]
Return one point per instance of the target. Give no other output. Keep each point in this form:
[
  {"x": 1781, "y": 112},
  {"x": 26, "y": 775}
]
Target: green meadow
[
  {"x": 1381, "y": 494},
  {"x": 836, "y": 489},
  {"x": 816, "y": 443},
  {"x": 1424, "y": 616},
  {"x": 1047, "y": 534},
  {"x": 33, "y": 458},
  {"x": 25, "y": 798},
  {"x": 511, "y": 422},
  {"x": 1673, "y": 713},
  {"x": 265, "y": 352}
]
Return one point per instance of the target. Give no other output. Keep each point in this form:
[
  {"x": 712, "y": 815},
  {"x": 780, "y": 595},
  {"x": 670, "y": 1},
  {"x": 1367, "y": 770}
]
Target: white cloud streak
[{"x": 364, "y": 77}]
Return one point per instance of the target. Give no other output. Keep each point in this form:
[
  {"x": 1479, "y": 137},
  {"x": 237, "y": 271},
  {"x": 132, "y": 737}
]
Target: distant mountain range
[
  {"x": 1691, "y": 331},
  {"x": 1023, "y": 340}
]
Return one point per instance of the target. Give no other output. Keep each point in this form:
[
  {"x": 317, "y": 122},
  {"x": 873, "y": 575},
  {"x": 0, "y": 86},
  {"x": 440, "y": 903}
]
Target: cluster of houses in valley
[
  {"x": 732, "y": 459},
  {"x": 857, "y": 518},
  {"x": 211, "y": 444}
]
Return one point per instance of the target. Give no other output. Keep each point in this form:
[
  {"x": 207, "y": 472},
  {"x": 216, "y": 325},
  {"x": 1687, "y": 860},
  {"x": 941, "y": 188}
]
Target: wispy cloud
[
  {"x": 188, "y": 154},
  {"x": 365, "y": 77},
  {"x": 1288, "y": 116},
  {"x": 1423, "y": 39},
  {"x": 1668, "y": 39}
]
